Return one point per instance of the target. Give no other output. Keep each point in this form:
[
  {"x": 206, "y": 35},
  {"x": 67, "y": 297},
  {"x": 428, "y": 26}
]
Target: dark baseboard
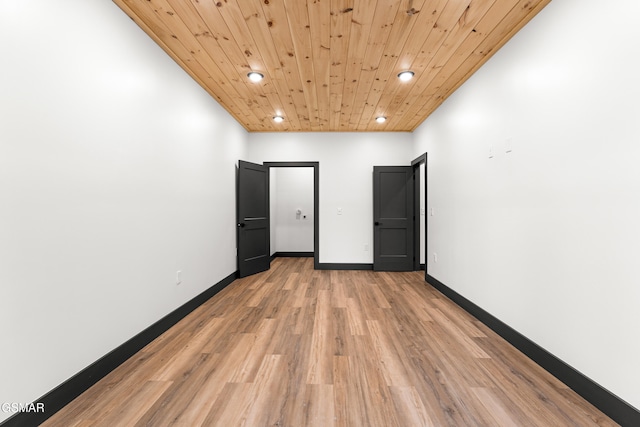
[
  {"x": 63, "y": 394},
  {"x": 423, "y": 267},
  {"x": 616, "y": 408},
  {"x": 341, "y": 266},
  {"x": 292, "y": 254}
]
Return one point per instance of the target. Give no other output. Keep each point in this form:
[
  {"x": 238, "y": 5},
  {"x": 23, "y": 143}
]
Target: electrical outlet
[
  {"x": 178, "y": 277},
  {"x": 339, "y": 211}
]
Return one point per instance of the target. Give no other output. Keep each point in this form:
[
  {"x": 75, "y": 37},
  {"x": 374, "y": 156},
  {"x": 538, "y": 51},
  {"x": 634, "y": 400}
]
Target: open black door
[
  {"x": 393, "y": 218},
  {"x": 253, "y": 218}
]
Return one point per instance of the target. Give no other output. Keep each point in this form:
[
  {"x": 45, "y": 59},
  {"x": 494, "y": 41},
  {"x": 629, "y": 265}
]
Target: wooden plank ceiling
[{"x": 330, "y": 65}]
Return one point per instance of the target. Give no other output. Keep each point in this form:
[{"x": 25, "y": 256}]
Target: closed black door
[
  {"x": 393, "y": 218},
  {"x": 253, "y": 219}
]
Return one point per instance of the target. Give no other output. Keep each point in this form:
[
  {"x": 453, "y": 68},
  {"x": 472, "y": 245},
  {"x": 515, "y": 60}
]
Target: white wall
[
  {"x": 346, "y": 181},
  {"x": 116, "y": 170},
  {"x": 291, "y": 189},
  {"x": 547, "y": 237}
]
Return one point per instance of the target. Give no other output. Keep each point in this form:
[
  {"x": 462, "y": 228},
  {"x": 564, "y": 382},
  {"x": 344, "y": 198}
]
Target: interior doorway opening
[
  {"x": 420, "y": 212},
  {"x": 400, "y": 216},
  {"x": 291, "y": 211},
  {"x": 295, "y": 214}
]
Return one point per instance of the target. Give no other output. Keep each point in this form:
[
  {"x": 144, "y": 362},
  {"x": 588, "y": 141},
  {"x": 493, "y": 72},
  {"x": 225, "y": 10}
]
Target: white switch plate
[
  {"x": 178, "y": 277},
  {"x": 339, "y": 211},
  {"x": 421, "y": 211},
  {"x": 508, "y": 147},
  {"x": 431, "y": 211}
]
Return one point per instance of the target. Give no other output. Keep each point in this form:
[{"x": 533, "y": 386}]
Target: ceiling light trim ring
[
  {"x": 406, "y": 75},
  {"x": 255, "y": 77}
]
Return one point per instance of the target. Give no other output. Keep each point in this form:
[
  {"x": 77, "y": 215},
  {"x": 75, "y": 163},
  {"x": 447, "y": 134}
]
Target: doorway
[
  {"x": 399, "y": 216},
  {"x": 420, "y": 212},
  {"x": 300, "y": 216}
]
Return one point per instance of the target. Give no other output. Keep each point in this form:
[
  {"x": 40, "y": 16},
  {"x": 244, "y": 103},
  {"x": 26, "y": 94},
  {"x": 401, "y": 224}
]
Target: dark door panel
[
  {"x": 392, "y": 242},
  {"x": 253, "y": 218},
  {"x": 393, "y": 218}
]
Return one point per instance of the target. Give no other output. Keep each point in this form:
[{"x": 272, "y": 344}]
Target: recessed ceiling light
[
  {"x": 381, "y": 119},
  {"x": 255, "y": 77},
  {"x": 278, "y": 119},
  {"x": 405, "y": 76}
]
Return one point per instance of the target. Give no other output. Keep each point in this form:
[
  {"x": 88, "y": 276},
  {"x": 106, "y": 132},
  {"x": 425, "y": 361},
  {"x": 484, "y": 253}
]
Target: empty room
[{"x": 327, "y": 212}]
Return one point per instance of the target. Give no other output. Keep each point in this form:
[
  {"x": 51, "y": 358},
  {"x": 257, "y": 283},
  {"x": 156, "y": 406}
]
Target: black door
[
  {"x": 393, "y": 218},
  {"x": 253, "y": 218}
]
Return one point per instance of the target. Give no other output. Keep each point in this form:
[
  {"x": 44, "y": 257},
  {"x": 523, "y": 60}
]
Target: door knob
[
  {"x": 241, "y": 224},
  {"x": 376, "y": 223}
]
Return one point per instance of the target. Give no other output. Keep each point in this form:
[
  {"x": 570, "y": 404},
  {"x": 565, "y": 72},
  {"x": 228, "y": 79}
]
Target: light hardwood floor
[{"x": 298, "y": 347}]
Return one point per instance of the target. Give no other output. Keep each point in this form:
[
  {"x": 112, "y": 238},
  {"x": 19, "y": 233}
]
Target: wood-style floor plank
[{"x": 297, "y": 347}]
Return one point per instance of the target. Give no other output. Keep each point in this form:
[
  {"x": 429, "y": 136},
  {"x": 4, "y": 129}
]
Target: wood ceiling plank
[
  {"x": 388, "y": 68},
  {"x": 276, "y": 13},
  {"x": 361, "y": 19},
  {"x": 319, "y": 13},
  {"x": 242, "y": 32},
  {"x": 144, "y": 16},
  {"x": 301, "y": 35},
  {"x": 381, "y": 26},
  {"x": 452, "y": 13},
  {"x": 425, "y": 20},
  {"x": 189, "y": 15},
  {"x": 276, "y": 85},
  {"x": 340, "y": 31}
]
